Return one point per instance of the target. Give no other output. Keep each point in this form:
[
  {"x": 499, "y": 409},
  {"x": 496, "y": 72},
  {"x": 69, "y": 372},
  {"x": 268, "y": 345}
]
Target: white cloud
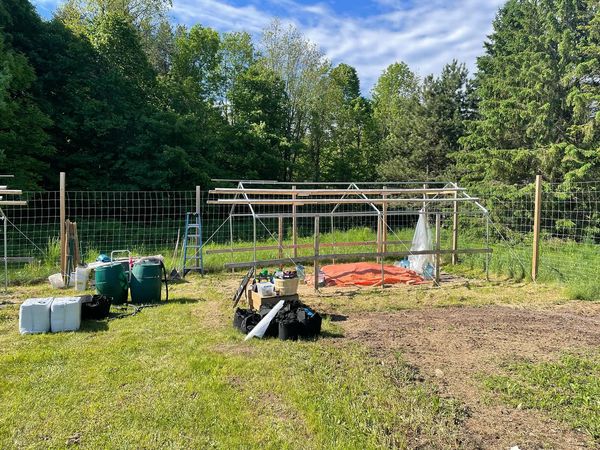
[{"x": 424, "y": 34}]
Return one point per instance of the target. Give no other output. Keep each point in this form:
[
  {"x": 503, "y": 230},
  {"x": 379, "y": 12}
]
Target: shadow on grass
[
  {"x": 331, "y": 334},
  {"x": 93, "y": 326},
  {"x": 335, "y": 317}
]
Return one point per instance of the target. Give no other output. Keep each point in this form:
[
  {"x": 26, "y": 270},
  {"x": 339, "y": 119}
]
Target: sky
[{"x": 368, "y": 34}]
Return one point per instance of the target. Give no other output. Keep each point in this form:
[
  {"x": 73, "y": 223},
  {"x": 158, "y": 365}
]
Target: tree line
[{"x": 116, "y": 95}]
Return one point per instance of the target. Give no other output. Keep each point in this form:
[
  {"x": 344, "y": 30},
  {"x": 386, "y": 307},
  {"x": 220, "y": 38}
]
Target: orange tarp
[{"x": 367, "y": 274}]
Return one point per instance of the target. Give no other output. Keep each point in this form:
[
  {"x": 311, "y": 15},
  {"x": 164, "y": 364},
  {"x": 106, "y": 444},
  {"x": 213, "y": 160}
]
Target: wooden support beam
[
  {"x": 13, "y": 203},
  {"x": 316, "y": 259},
  {"x": 314, "y": 192},
  {"x": 288, "y": 247},
  {"x": 537, "y": 216},
  {"x": 352, "y": 256},
  {"x": 280, "y": 236},
  {"x": 4, "y": 191},
  {"x": 332, "y": 201},
  {"x": 294, "y": 225},
  {"x": 438, "y": 227},
  {"x": 455, "y": 230}
]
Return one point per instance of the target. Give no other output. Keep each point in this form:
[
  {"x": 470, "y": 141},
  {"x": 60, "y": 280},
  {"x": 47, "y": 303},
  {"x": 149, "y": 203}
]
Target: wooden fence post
[
  {"x": 280, "y": 236},
  {"x": 62, "y": 218},
  {"x": 294, "y": 226},
  {"x": 316, "y": 264},
  {"x": 199, "y": 238},
  {"x": 537, "y": 216},
  {"x": 438, "y": 226},
  {"x": 455, "y": 230},
  {"x": 384, "y": 224}
]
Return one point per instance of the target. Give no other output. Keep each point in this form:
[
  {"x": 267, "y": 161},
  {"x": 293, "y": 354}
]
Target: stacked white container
[
  {"x": 34, "y": 315},
  {"x": 65, "y": 314}
]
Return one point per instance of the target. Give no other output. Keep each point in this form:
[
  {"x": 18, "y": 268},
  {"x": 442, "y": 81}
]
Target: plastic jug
[{"x": 82, "y": 274}]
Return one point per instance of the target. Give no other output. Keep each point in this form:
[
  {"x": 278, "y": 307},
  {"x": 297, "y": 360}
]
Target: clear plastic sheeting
[{"x": 422, "y": 241}]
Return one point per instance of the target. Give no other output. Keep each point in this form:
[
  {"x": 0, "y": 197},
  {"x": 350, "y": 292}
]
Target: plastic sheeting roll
[
  {"x": 34, "y": 315},
  {"x": 65, "y": 314}
]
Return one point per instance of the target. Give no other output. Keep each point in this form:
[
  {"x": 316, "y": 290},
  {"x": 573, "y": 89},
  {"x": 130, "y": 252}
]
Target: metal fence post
[
  {"x": 537, "y": 216},
  {"x": 62, "y": 218}
]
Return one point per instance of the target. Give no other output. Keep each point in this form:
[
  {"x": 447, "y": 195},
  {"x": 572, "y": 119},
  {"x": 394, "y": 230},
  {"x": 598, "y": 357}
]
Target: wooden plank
[
  {"x": 537, "y": 216},
  {"x": 385, "y": 222},
  {"x": 20, "y": 259},
  {"x": 288, "y": 247},
  {"x": 312, "y": 192},
  {"x": 347, "y": 256},
  {"x": 13, "y": 203},
  {"x": 4, "y": 191},
  {"x": 332, "y": 201}
]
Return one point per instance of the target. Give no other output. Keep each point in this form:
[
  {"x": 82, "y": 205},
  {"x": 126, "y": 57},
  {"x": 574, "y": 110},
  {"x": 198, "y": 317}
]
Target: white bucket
[
  {"x": 266, "y": 289},
  {"x": 82, "y": 275},
  {"x": 56, "y": 281}
]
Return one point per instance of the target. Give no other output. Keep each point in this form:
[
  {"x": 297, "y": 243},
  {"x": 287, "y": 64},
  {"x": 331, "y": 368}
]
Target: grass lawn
[
  {"x": 568, "y": 389},
  {"x": 178, "y": 375}
]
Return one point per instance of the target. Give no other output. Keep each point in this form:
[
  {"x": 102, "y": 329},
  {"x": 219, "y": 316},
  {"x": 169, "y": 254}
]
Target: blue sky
[{"x": 368, "y": 35}]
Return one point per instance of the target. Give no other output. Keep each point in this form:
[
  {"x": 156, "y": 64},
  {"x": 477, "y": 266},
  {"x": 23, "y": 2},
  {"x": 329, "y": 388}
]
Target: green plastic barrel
[
  {"x": 146, "y": 282},
  {"x": 111, "y": 281}
]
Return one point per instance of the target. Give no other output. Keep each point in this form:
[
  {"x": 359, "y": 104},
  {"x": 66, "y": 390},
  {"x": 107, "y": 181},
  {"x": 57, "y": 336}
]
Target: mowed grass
[
  {"x": 179, "y": 376},
  {"x": 567, "y": 389}
]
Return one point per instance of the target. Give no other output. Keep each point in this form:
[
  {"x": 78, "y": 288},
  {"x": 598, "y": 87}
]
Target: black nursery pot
[
  {"x": 288, "y": 331},
  {"x": 97, "y": 308}
]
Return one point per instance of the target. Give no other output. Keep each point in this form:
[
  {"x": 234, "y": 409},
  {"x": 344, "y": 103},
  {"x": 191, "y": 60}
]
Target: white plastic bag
[
  {"x": 422, "y": 241},
  {"x": 261, "y": 327}
]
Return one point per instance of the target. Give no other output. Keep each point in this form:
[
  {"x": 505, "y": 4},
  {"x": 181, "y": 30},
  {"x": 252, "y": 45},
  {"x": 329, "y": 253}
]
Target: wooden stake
[
  {"x": 455, "y": 231},
  {"x": 537, "y": 216},
  {"x": 438, "y": 223},
  {"x": 384, "y": 224},
  {"x": 316, "y": 263},
  {"x": 280, "y": 236}
]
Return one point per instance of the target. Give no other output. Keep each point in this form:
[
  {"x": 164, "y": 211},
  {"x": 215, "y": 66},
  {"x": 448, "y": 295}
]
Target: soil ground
[{"x": 455, "y": 347}]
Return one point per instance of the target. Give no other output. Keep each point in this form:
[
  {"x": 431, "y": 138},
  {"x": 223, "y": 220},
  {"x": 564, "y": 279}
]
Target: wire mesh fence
[{"x": 150, "y": 223}]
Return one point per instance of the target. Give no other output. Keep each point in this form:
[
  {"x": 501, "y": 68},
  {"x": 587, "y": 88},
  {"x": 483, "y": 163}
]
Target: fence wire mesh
[{"x": 150, "y": 222}]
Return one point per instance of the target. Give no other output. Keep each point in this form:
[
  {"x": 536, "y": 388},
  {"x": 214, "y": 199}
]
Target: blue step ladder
[{"x": 192, "y": 244}]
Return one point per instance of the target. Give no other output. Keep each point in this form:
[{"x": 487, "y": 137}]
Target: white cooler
[{"x": 34, "y": 315}]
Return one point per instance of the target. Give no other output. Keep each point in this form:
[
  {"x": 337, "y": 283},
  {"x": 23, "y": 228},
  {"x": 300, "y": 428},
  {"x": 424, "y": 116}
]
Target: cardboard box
[
  {"x": 255, "y": 301},
  {"x": 287, "y": 286}
]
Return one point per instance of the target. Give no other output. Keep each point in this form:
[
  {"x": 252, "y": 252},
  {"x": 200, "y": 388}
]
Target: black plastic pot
[
  {"x": 249, "y": 323},
  {"x": 97, "y": 308},
  {"x": 238, "y": 317},
  {"x": 288, "y": 331}
]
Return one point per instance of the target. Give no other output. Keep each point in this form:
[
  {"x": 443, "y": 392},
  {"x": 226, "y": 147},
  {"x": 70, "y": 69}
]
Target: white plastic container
[
  {"x": 56, "y": 281},
  {"x": 266, "y": 289},
  {"x": 65, "y": 314},
  {"x": 34, "y": 315},
  {"x": 82, "y": 275}
]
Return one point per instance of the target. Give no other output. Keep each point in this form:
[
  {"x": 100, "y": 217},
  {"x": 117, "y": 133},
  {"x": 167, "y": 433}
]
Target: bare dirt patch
[{"x": 455, "y": 346}]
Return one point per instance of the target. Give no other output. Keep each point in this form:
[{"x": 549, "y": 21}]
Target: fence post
[
  {"x": 294, "y": 225},
  {"x": 438, "y": 226},
  {"x": 455, "y": 230},
  {"x": 280, "y": 236},
  {"x": 199, "y": 238},
  {"x": 62, "y": 218},
  {"x": 316, "y": 264},
  {"x": 379, "y": 232},
  {"x": 384, "y": 224},
  {"x": 537, "y": 216}
]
